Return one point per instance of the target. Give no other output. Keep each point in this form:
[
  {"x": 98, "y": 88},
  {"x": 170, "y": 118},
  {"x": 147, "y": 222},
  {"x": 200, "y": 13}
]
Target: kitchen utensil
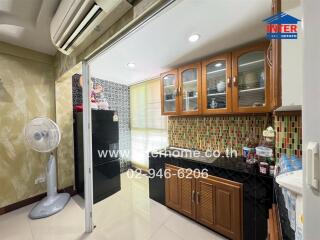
[
  {"x": 214, "y": 103},
  {"x": 263, "y": 168},
  {"x": 261, "y": 79},
  {"x": 264, "y": 151},
  {"x": 250, "y": 80},
  {"x": 221, "y": 86}
]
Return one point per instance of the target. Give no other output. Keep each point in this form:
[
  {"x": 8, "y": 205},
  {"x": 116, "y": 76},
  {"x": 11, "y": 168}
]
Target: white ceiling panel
[
  {"x": 162, "y": 43},
  {"x": 26, "y": 23}
]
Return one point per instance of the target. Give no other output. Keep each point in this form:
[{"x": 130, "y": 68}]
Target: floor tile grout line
[
  {"x": 163, "y": 225},
  {"x": 30, "y": 227}
]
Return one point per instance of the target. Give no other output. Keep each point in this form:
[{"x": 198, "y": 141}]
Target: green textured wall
[
  {"x": 26, "y": 91},
  {"x": 64, "y": 118}
]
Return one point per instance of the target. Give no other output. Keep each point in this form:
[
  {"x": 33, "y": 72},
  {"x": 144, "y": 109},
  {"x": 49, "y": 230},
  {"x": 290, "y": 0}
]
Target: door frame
[
  {"x": 87, "y": 147},
  {"x": 87, "y": 125}
]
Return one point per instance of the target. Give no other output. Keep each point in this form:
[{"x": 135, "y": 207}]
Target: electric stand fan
[{"x": 43, "y": 135}]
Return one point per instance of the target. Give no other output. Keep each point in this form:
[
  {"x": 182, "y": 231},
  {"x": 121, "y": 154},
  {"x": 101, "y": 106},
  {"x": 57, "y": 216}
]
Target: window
[{"x": 148, "y": 127}]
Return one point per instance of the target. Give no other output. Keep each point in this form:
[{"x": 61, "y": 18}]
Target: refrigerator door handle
[{"x": 313, "y": 166}]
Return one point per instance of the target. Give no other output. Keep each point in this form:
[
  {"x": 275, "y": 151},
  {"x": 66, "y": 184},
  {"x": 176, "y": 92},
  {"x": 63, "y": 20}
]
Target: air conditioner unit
[{"x": 80, "y": 22}]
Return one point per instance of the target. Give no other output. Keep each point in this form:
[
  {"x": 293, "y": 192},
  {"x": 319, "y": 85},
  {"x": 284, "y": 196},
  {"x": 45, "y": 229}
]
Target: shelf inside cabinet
[
  {"x": 190, "y": 82},
  {"x": 251, "y": 63},
  {"x": 216, "y": 71},
  {"x": 186, "y": 98},
  {"x": 216, "y": 94},
  {"x": 252, "y": 90}
]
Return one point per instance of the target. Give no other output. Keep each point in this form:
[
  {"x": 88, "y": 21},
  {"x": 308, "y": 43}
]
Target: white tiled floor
[{"x": 127, "y": 215}]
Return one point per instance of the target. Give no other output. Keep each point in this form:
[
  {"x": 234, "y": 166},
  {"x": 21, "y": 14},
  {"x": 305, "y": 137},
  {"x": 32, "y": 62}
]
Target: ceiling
[
  {"x": 26, "y": 23},
  {"x": 163, "y": 43}
]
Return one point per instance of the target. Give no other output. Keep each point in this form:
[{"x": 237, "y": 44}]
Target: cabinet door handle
[
  {"x": 229, "y": 82},
  {"x": 235, "y": 83},
  {"x": 179, "y": 90},
  {"x": 193, "y": 195},
  {"x": 198, "y": 197},
  {"x": 176, "y": 92}
]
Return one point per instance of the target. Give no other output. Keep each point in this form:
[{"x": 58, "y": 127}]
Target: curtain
[{"x": 148, "y": 127}]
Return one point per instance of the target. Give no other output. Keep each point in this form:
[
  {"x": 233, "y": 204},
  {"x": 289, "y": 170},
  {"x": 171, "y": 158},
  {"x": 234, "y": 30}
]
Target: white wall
[
  {"x": 311, "y": 110},
  {"x": 292, "y": 52}
]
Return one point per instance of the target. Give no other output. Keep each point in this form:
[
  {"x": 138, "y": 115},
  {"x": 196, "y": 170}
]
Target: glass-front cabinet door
[
  {"x": 190, "y": 89},
  {"x": 251, "y": 79},
  {"x": 216, "y": 85},
  {"x": 169, "y": 93}
]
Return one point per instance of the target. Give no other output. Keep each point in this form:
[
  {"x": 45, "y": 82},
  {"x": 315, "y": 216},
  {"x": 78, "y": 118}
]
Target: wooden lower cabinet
[
  {"x": 212, "y": 201},
  {"x": 205, "y": 199},
  {"x": 173, "y": 189},
  {"x": 188, "y": 206},
  {"x": 274, "y": 232}
]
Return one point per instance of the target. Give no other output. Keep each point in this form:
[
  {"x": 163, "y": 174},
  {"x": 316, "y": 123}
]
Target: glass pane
[
  {"x": 216, "y": 85},
  {"x": 190, "y": 90},
  {"x": 251, "y": 76},
  {"x": 169, "y": 85}
]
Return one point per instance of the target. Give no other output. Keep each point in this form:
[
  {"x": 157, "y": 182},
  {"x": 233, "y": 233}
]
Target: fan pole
[{"x": 51, "y": 176}]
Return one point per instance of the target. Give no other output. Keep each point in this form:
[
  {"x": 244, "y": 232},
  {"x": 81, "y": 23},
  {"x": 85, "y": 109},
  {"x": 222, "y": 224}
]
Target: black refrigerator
[{"x": 105, "y": 154}]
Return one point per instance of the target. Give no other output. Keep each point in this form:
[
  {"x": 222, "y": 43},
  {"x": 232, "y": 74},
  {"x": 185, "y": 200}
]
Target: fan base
[{"x": 49, "y": 206}]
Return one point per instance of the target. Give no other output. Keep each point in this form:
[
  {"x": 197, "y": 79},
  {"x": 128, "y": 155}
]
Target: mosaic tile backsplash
[
  {"x": 214, "y": 132},
  {"x": 289, "y": 136}
]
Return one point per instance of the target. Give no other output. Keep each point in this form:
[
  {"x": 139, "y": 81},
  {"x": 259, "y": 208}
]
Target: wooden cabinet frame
[
  {"x": 188, "y": 194},
  {"x": 272, "y": 72},
  {"x": 173, "y": 188},
  {"x": 275, "y": 59},
  {"x": 235, "y": 86},
  {"x": 212, "y": 201},
  {"x": 172, "y": 72},
  {"x": 227, "y": 58},
  {"x": 180, "y": 91}
]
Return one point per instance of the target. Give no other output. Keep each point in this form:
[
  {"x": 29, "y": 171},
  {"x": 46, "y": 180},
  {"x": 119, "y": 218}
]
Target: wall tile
[
  {"x": 214, "y": 132},
  {"x": 289, "y": 136}
]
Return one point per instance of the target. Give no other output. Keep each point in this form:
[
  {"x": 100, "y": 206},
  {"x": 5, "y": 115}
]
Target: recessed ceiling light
[
  {"x": 218, "y": 64},
  {"x": 131, "y": 65},
  {"x": 194, "y": 37}
]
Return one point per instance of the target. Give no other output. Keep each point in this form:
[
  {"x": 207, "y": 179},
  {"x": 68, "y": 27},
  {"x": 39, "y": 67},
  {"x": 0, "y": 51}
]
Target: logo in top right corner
[{"x": 282, "y": 26}]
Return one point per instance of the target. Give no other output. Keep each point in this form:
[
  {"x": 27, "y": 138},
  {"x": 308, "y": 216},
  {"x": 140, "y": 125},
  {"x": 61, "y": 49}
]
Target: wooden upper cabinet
[
  {"x": 251, "y": 79},
  {"x": 274, "y": 60},
  {"x": 169, "y": 93},
  {"x": 189, "y": 90},
  {"x": 247, "y": 80},
  {"x": 216, "y": 85}
]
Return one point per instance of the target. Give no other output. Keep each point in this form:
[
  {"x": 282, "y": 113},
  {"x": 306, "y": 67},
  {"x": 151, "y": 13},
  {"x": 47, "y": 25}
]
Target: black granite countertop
[{"x": 237, "y": 164}]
